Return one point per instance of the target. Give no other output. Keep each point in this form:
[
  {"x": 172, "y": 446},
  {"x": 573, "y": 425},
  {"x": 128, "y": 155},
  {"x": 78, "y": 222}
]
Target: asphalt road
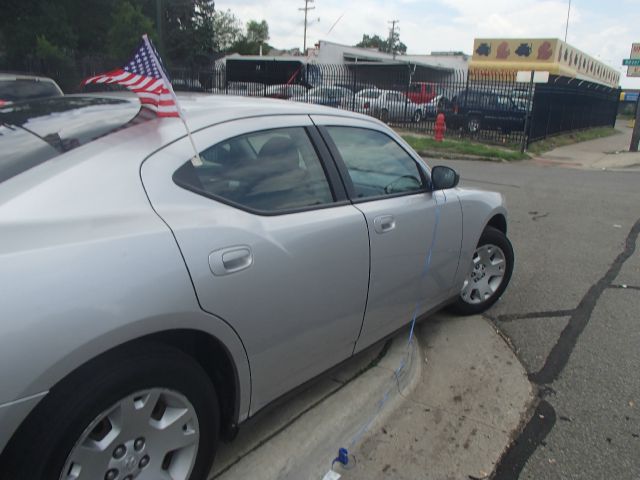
[{"x": 571, "y": 314}]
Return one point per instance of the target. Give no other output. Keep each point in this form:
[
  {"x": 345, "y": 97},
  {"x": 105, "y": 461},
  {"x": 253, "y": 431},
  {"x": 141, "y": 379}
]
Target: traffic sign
[{"x": 631, "y": 62}]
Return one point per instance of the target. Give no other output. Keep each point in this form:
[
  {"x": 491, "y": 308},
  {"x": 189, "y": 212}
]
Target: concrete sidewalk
[
  {"x": 608, "y": 153},
  {"x": 450, "y": 413}
]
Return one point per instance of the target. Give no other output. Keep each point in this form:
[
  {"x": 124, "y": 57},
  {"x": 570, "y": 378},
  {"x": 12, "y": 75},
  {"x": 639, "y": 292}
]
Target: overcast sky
[{"x": 604, "y": 29}]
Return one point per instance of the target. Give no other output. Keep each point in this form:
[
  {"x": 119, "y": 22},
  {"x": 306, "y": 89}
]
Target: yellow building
[{"x": 503, "y": 57}]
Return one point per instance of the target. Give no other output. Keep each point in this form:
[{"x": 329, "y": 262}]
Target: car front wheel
[
  {"x": 489, "y": 273},
  {"x": 143, "y": 413}
]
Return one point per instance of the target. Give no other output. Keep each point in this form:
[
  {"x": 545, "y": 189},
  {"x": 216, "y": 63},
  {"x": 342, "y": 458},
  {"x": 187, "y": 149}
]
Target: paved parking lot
[{"x": 571, "y": 314}]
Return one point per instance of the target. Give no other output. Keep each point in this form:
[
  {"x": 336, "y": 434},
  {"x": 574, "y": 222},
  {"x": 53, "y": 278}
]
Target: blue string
[{"x": 343, "y": 453}]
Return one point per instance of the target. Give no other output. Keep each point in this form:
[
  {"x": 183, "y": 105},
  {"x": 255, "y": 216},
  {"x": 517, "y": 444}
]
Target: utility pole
[
  {"x": 306, "y": 9},
  {"x": 566, "y": 30},
  {"x": 392, "y": 37}
]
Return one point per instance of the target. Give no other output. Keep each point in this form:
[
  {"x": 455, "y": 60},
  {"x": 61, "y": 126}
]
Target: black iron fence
[
  {"x": 492, "y": 108},
  {"x": 565, "y": 104}
]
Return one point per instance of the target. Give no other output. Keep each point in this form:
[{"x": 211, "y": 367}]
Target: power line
[{"x": 306, "y": 9}]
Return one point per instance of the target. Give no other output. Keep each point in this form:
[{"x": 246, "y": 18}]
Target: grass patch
[
  {"x": 465, "y": 147},
  {"x": 550, "y": 143}
]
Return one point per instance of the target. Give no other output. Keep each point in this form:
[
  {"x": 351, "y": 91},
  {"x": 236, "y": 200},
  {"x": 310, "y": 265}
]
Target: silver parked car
[
  {"x": 151, "y": 302},
  {"x": 388, "y": 105}
]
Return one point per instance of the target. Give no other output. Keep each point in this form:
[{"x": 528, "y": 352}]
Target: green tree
[
  {"x": 257, "y": 32},
  {"x": 388, "y": 45},
  {"x": 256, "y": 35},
  {"x": 128, "y": 23},
  {"x": 188, "y": 30},
  {"x": 227, "y": 30}
]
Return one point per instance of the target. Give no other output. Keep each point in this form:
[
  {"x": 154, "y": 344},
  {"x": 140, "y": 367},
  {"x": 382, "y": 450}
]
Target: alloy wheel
[
  {"x": 487, "y": 273},
  {"x": 149, "y": 435}
]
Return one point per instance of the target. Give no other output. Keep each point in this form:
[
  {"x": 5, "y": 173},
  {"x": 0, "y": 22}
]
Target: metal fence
[
  {"x": 565, "y": 104},
  {"x": 492, "y": 108}
]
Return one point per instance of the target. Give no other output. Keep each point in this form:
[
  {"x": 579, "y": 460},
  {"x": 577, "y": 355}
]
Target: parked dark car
[{"x": 477, "y": 110}]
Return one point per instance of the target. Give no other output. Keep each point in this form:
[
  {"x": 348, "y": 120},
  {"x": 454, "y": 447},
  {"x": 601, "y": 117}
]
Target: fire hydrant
[{"x": 440, "y": 127}]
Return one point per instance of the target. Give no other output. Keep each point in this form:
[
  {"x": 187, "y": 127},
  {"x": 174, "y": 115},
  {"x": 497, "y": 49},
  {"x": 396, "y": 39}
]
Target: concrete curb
[
  {"x": 306, "y": 447},
  {"x": 453, "y": 419}
]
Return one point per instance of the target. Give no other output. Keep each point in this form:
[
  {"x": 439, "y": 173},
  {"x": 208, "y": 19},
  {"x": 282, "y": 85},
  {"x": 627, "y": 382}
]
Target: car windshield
[
  {"x": 14, "y": 90},
  {"x": 33, "y": 132}
]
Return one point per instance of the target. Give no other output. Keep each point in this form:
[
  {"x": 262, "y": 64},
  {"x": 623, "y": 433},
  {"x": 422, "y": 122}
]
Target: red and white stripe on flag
[{"x": 152, "y": 92}]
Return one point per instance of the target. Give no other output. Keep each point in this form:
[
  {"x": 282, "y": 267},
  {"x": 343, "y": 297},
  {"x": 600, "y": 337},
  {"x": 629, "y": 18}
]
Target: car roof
[{"x": 200, "y": 111}]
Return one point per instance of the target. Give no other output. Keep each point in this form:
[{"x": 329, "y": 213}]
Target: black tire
[
  {"x": 41, "y": 446},
  {"x": 490, "y": 236},
  {"x": 384, "y": 115},
  {"x": 417, "y": 116},
  {"x": 474, "y": 124}
]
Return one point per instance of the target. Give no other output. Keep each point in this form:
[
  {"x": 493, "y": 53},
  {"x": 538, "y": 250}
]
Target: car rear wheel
[
  {"x": 489, "y": 273},
  {"x": 384, "y": 115},
  {"x": 144, "y": 414},
  {"x": 417, "y": 116}
]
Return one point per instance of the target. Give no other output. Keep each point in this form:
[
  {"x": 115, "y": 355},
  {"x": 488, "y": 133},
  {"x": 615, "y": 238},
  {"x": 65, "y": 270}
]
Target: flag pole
[{"x": 196, "y": 160}]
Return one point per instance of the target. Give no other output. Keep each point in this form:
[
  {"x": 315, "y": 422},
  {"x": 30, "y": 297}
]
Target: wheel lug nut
[
  {"x": 139, "y": 443},
  {"x": 144, "y": 461},
  {"x": 111, "y": 474},
  {"x": 119, "y": 452}
]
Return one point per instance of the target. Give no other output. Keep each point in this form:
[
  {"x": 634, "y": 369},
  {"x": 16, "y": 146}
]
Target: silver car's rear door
[{"x": 293, "y": 285}]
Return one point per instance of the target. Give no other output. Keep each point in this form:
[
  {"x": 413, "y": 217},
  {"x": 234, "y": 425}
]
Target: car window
[
  {"x": 376, "y": 164},
  {"x": 271, "y": 171}
]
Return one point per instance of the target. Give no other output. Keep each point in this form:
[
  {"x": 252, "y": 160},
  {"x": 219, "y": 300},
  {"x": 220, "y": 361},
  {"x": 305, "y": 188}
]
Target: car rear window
[
  {"x": 33, "y": 132},
  {"x": 26, "y": 89}
]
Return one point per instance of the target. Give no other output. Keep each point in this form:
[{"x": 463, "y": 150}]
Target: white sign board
[
  {"x": 524, "y": 76},
  {"x": 635, "y": 53}
]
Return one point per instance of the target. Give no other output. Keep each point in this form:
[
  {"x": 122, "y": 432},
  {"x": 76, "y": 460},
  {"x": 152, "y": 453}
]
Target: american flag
[{"x": 144, "y": 75}]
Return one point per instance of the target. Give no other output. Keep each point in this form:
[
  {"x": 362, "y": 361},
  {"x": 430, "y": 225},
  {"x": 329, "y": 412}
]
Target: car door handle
[
  {"x": 230, "y": 260},
  {"x": 384, "y": 223}
]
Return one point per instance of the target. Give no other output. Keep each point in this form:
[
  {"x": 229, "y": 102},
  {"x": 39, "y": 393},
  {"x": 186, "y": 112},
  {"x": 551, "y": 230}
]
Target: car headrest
[{"x": 280, "y": 150}]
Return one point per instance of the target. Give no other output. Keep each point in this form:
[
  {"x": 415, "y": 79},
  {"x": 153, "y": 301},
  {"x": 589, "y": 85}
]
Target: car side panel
[
  {"x": 299, "y": 306},
  {"x": 86, "y": 265}
]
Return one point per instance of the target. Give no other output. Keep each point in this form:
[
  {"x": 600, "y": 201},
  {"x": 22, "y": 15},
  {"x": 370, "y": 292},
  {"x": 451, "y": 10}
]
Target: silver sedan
[{"x": 153, "y": 301}]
